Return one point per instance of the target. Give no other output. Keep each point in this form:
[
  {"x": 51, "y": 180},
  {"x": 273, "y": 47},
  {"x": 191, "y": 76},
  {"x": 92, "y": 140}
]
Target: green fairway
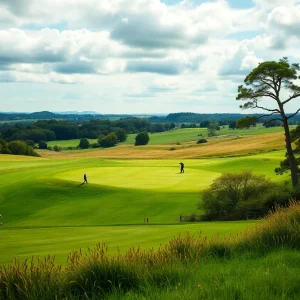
[
  {"x": 46, "y": 209},
  {"x": 146, "y": 178},
  {"x": 22, "y": 243}
]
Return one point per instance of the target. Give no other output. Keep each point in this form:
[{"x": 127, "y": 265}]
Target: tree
[
  {"x": 109, "y": 140},
  {"x": 121, "y": 134},
  {"x": 142, "y": 139},
  {"x": 246, "y": 122},
  {"x": 84, "y": 144},
  {"x": 284, "y": 165},
  {"x": 232, "y": 124},
  {"x": 272, "y": 124},
  {"x": 21, "y": 148},
  {"x": 43, "y": 145},
  {"x": 268, "y": 80},
  {"x": 212, "y": 128},
  {"x": 3, "y": 147}
]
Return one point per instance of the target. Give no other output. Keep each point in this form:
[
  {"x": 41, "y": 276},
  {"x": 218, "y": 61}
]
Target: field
[
  {"x": 179, "y": 136},
  {"x": 46, "y": 209}
]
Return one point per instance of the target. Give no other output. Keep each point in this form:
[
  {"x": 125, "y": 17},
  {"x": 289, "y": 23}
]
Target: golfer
[
  {"x": 181, "y": 167},
  {"x": 84, "y": 179}
]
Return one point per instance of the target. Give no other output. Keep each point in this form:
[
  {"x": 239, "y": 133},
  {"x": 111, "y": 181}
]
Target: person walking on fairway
[
  {"x": 181, "y": 167},
  {"x": 84, "y": 179}
]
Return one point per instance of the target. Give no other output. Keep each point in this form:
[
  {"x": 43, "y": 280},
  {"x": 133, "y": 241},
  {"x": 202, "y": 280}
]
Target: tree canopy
[{"x": 267, "y": 81}]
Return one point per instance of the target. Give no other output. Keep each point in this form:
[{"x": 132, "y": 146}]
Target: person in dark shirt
[
  {"x": 84, "y": 179},
  {"x": 181, "y": 167}
]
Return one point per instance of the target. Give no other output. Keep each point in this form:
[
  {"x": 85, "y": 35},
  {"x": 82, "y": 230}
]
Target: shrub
[
  {"x": 49, "y": 148},
  {"x": 202, "y": 141},
  {"x": 109, "y": 140},
  {"x": 121, "y": 134},
  {"x": 142, "y": 139},
  {"x": 84, "y": 144},
  {"x": 56, "y": 148},
  {"x": 43, "y": 145},
  {"x": 4, "y": 148},
  {"x": 95, "y": 145},
  {"x": 232, "y": 195},
  {"x": 172, "y": 149},
  {"x": 101, "y": 136},
  {"x": 21, "y": 148}
]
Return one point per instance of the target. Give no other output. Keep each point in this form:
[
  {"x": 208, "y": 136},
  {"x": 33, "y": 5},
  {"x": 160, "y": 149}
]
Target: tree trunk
[{"x": 290, "y": 154}]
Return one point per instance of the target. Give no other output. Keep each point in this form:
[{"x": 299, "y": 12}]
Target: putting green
[{"x": 145, "y": 178}]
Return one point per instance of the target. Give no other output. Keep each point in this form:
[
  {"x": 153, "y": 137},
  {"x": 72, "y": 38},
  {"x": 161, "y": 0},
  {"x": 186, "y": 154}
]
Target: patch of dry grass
[{"x": 216, "y": 147}]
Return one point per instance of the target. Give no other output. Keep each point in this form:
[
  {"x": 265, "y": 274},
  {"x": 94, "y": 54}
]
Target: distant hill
[
  {"x": 80, "y": 117},
  {"x": 42, "y": 115}
]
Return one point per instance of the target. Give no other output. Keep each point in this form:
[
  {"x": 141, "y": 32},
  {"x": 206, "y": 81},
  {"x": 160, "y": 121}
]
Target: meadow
[
  {"x": 178, "y": 136},
  {"x": 46, "y": 209}
]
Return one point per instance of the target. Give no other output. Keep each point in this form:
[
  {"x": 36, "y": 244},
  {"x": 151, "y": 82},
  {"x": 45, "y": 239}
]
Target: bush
[
  {"x": 121, "y": 134},
  {"x": 21, "y": 148},
  {"x": 95, "y": 145},
  {"x": 109, "y": 140},
  {"x": 4, "y": 148},
  {"x": 84, "y": 144},
  {"x": 43, "y": 145},
  {"x": 172, "y": 149},
  {"x": 142, "y": 139},
  {"x": 233, "y": 195},
  {"x": 202, "y": 141},
  {"x": 49, "y": 148},
  {"x": 56, "y": 148}
]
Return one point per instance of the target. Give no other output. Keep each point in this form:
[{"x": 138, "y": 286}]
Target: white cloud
[
  {"x": 249, "y": 62},
  {"x": 187, "y": 54}
]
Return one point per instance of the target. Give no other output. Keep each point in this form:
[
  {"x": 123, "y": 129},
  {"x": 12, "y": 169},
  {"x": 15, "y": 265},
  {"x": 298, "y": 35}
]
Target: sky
[{"x": 139, "y": 56}]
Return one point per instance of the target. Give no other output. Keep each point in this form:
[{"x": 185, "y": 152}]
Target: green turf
[
  {"x": 22, "y": 243},
  {"x": 38, "y": 192}
]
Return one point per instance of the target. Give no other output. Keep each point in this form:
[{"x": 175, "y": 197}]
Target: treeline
[
  {"x": 203, "y": 120},
  {"x": 47, "y": 115},
  {"x": 16, "y": 148},
  {"x": 49, "y": 130}
]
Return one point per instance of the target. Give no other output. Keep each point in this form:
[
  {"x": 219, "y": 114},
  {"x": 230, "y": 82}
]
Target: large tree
[{"x": 268, "y": 80}]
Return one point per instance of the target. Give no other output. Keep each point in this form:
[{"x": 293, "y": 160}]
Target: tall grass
[{"x": 169, "y": 272}]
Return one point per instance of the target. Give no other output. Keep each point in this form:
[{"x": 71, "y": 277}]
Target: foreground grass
[
  {"x": 262, "y": 263},
  {"x": 25, "y": 242}
]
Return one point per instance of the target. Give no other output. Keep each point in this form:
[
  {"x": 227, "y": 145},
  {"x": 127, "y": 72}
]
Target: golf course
[{"x": 49, "y": 212}]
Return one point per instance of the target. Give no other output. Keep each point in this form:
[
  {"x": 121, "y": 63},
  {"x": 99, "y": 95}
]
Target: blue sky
[{"x": 139, "y": 56}]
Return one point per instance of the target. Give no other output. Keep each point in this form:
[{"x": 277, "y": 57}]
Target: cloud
[
  {"x": 286, "y": 20},
  {"x": 270, "y": 4},
  {"x": 168, "y": 67},
  {"x": 240, "y": 63},
  {"x": 77, "y": 67}
]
